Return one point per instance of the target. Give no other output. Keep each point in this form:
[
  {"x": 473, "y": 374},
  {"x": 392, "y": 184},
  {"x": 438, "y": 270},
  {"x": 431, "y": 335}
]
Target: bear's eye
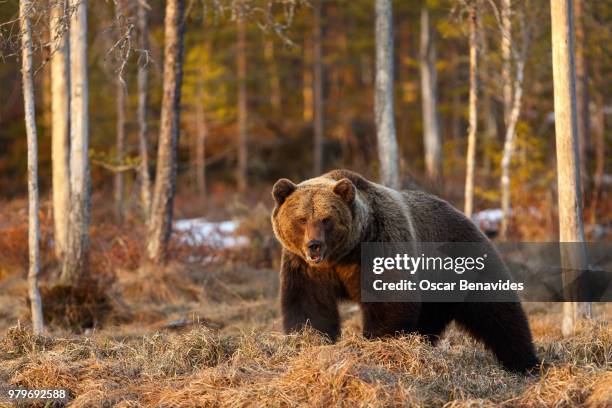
[
  {"x": 327, "y": 221},
  {"x": 302, "y": 220}
]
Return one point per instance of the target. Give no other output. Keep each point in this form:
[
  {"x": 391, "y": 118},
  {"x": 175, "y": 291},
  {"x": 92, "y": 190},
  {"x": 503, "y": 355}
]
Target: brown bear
[{"x": 321, "y": 223}]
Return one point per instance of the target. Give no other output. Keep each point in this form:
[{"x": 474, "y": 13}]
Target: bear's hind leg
[{"x": 504, "y": 329}]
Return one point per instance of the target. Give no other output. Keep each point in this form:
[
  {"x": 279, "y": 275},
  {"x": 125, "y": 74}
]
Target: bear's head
[{"x": 315, "y": 219}]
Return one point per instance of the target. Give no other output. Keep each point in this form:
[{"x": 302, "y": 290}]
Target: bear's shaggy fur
[{"x": 321, "y": 223}]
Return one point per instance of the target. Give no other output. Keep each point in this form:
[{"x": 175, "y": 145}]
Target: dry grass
[{"x": 205, "y": 367}]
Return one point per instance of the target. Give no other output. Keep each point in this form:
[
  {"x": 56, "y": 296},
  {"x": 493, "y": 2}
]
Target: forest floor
[{"x": 205, "y": 331}]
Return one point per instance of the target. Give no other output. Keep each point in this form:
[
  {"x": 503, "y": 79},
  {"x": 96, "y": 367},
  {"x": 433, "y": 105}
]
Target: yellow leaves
[{"x": 206, "y": 78}]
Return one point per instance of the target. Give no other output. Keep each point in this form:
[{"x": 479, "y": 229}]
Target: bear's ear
[
  {"x": 345, "y": 189},
  {"x": 281, "y": 190}
]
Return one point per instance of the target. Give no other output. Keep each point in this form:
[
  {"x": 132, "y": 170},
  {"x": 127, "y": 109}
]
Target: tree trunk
[
  {"x": 473, "y": 105},
  {"x": 143, "y": 84},
  {"x": 516, "y": 93},
  {"x": 429, "y": 94},
  {"x": 317, "y": 91},
  {"x": 75, "y": 259},
  {"x": 383, "y": 102},
  {"x": 509, "y": 146},
  {"x": 121, "y": 89},
  {"x": 582, "y": 94},
  {"x": 30, "y": 119},
  {"x": 568, "y": 161},
  {"x": 404, "y": 70},
  {"x": 60, "y": 132},
  {"x": 506, "y": 50},
  {"x": 486, "y": 103},
  {"x": 45, "y": 117},
  {"x": 119, "y": 184},
  {"x": 242, "y": 104},
  {"x": 202, "y": 132},
  {"x": 160, "y": 222}
]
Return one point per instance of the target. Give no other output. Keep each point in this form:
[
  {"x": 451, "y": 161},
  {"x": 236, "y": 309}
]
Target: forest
[{"x": 141, "y": 142}]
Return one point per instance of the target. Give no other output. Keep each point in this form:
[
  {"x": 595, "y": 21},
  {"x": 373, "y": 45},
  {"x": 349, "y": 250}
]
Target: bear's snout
[{"x": 315, "y": 251}]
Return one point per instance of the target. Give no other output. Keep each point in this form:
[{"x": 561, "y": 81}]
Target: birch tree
[
  {"x": 120, "y": 133},
  {"x": 432, "y": 138},
  {"x": 506, "y": 51},
  {"x": 582, "y": 94},
  {"x": 473, "y": 105},
  {"x": 160, "y": 222},
  {"x": 75, "y": 259},
  {"x": 60, "y": 129},
  {"x": 383, "y": 99},
  {"x": 568, "y": 160},
  {"x": 518, "y": 55},
  {"x": 317, "y": 59},
  {"x": 25, "y": 7},
  {"x": 143, "y": 85},
  {"x": 242, "y": 103}
]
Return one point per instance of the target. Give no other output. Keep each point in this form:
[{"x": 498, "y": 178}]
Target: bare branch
[{"x": 115, "y": 168}]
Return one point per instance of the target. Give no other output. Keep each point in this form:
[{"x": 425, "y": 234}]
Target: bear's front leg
[
  {"x": 389, "y": 319},
  {"x": 306, "y": 300}
]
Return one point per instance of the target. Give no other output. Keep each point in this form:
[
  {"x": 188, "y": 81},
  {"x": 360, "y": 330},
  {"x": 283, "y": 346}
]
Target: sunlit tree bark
[
  {"x": 518, "y": 56},
  {"x": 509, "y": 148},
  {"x": 383, "y": 102},
  {"x": 75, "y": 259},
  {"x": 429, "y": 94},
  {"x": 143, "y": 84},
  {"x": 25, "y": 7},
  {"x": 506, "y": 50},
  {"x": 60, "y": 125},
  {"x": 568, "y": 159},
  {"x": 582, "y": 94},
  {"x": 160, "y": 222},
  {"x": 473, "y": 105}
]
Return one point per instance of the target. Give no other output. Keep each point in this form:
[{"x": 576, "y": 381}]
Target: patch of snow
[
  {"x": 489, "y": 219},
  {"x": 199, "y": 231}
]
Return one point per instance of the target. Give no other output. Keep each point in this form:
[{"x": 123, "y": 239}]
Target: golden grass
[{"x": 205, "y": 367}]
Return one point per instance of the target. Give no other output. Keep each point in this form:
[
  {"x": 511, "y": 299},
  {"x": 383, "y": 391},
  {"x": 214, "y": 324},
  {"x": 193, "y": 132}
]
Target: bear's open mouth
[{"x": 314, "y": 258}]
